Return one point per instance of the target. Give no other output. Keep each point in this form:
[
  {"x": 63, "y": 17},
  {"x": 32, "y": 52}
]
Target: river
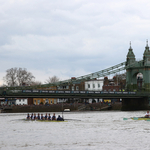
[{"x": 99, "y": 130}]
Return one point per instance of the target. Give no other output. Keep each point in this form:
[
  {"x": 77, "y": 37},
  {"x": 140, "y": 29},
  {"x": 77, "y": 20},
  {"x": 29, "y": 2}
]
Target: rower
[
  {"x": 54, "y": 117},
  {"x": 147, "y": 114},
  {"x": 49, "y": 117},
  {"x": 28, "y": 116},
  {"x": 32, "y": 117},
  {"x": 60, "y": 118},
  {"x": 42, "y": 118},
  {"x": 46, "y": 116},
  {"x": 38, "y": 117},
  {"x": 35, "y": 117}
]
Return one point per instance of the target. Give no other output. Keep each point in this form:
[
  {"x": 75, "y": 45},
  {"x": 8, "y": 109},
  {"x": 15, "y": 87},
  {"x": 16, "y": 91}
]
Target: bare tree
[
  {"x": 121, "y": 77},
  {"x": 24, "y": 77},
  {"x": 18, "y": 77},
  {"x": 11, "y": 77},
  {"x": 52, "y": 79}
]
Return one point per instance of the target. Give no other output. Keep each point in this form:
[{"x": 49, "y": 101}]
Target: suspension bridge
[{"x": 137, "y": 100}]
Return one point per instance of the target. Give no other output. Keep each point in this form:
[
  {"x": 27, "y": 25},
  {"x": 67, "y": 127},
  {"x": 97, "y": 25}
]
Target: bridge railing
[{"x": 60, "y": 93}]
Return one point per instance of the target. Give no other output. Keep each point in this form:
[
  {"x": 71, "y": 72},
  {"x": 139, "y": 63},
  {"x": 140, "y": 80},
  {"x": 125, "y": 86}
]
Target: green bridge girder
[
  {"x": 111, "y": 70},
  {"x": 19, "y": 94},
  {"x": 131, "y": 66},
  {"x": 99, "y": 74}
]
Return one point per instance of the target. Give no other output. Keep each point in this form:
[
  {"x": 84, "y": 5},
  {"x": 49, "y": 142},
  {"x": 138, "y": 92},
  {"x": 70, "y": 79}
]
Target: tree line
[{"x": 22, "y": 77}]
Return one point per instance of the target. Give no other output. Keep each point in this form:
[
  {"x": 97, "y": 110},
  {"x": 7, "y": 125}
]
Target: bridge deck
[{"x": 72, "y": 94}]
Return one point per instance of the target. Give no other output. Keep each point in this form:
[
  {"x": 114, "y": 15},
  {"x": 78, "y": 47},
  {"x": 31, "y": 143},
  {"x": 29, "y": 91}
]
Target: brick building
[{"x": 112, "y": 85}]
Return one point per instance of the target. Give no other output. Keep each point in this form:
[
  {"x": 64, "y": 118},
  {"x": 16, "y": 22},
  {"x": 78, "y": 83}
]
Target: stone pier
[{"x": 130, "y": 104}]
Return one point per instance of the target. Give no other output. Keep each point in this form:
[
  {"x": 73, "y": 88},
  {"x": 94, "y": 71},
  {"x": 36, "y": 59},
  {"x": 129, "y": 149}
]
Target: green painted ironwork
[
  {"x": 134, "y": 67},
  {"x": 131, "y": 66},
  {"x": 99, "y": 74}
]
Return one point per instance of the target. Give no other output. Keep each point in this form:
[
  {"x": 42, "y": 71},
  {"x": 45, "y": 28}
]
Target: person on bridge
[
  {"x": 147, "y": 115},
  {"x": 53, "y": 117}
]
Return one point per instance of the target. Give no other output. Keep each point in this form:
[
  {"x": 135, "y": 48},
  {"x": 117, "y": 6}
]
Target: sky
[{"x": 70, "y": 38}]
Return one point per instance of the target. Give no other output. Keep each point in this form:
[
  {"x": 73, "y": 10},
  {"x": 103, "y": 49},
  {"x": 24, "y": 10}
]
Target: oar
[
  {"x": 73, "y": 119},
  {"x": 126, "y": 118},
  {"x": 134, "y": 118}
]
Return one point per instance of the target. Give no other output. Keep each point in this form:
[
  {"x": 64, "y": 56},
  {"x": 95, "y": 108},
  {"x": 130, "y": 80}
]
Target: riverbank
[{"x": 59, "y": 108}]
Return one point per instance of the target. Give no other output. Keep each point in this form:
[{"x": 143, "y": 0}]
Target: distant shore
[{"x": 59, "y": 108}]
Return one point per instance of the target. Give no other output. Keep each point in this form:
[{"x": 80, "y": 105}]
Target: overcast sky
[{"x": 70, "y": 38}]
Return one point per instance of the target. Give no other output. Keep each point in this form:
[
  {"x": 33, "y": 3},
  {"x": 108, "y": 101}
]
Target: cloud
[{"x": 70, "y": 38}]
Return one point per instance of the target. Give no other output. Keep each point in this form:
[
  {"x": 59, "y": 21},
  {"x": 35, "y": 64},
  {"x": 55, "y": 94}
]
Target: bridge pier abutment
[{"x": 129, "y": 104}]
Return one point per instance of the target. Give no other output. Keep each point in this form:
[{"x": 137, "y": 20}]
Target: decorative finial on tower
[
  {"x": 146, "y": 52},
  {"x": 147, "y": 43},
  {"x": 130, "y": 55},
  {"x": 130, "y": 46}
]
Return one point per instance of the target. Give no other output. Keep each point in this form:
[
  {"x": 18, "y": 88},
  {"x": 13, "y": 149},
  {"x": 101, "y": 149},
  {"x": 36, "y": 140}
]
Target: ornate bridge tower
[
  {"x": 134, "y": 83},
  {"x": 134, "y": 67}
]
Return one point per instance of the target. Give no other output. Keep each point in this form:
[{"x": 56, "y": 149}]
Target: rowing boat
[
  {"x": 50, "y": 121},
  {"x": 140, "y": 118},
  {"x": 137, "y": 118},
  {"x": 44, "y": 120}
]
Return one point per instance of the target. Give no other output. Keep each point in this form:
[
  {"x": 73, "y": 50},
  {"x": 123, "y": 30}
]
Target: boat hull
[
  {"x": 44, "y": 120},
  {"x": 140, "y": 118}
]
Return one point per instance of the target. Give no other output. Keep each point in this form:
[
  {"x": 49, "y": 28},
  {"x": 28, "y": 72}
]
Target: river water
[{"x": 99, "y": 130}]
